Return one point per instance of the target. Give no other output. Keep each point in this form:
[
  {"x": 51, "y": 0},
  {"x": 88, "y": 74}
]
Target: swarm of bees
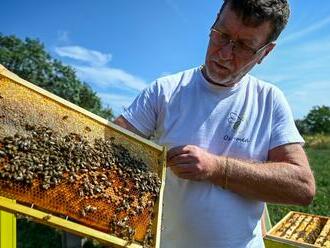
[{"x": 102, "y": 170}]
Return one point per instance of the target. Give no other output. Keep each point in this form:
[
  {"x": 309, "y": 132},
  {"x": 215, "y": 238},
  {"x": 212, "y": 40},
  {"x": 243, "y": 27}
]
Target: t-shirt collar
[{"x": 218, "y": 88}]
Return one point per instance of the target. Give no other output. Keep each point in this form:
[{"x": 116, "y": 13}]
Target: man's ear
[{"x": 268, "y": 49}]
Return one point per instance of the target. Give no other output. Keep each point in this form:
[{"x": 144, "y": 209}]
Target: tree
[
  {"x": 318, "y": 120},
  {"x": 302, "y": 126},
  {"x": 29, "y": 60}
]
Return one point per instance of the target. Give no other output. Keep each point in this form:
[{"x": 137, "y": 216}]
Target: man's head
[{"x": 242, "y": 35}]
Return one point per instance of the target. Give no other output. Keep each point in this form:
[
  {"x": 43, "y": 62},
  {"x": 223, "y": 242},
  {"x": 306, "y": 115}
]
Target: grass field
[{"x": 319, "y": 160}]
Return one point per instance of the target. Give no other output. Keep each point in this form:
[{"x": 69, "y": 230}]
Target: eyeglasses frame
[{"x": 231, "y": 41}]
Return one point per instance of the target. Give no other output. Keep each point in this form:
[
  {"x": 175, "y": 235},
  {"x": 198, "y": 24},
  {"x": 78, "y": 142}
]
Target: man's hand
[{"x": 192, "y": 162}]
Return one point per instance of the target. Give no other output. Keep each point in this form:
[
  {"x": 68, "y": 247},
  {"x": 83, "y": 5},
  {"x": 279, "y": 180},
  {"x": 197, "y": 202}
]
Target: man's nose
[{"x": 226, "y": 51}]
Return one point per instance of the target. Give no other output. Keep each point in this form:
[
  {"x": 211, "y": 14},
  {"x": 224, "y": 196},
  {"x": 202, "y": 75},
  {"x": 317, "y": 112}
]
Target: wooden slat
[
  {"x": 7, "y": 229},
  {"x": 63, "y": 224}
]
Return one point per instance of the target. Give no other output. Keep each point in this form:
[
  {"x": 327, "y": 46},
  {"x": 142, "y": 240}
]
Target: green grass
[{"x": 319, "y": 160}]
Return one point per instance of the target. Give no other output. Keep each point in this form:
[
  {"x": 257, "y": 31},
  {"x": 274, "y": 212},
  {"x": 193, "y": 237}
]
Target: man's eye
[
  {"x": 225, "y": 37},
  {"x": 243, "y": 46}
]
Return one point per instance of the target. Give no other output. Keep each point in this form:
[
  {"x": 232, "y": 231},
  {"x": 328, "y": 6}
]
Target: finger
[
  {"x": 182, "y": 159},
  {"x": 181, "y": 174},
  {"x": 187, "y": 170},
  {"x": 189, "y": 176},
  {"x": 176, "y": 151},
  {"x": 185, "y": 176},
  {"x": 184, "y": 168}
]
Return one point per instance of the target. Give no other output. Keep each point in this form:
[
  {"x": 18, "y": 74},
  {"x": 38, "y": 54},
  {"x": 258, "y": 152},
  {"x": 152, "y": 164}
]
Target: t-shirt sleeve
[
  {"x": 284, "y": 130},
  {"x": 142, "y": 113}
]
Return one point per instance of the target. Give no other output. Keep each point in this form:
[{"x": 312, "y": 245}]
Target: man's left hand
[{"x": 192, "y": 162}]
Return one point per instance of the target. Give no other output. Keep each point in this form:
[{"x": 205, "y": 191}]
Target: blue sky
[{"x": 119, "y": 47}]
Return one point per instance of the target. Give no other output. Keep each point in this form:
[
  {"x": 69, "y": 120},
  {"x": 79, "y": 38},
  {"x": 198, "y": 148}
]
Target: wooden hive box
[
  {"x": 298, "y": 229},
  {"x": 23, "y": 103}
]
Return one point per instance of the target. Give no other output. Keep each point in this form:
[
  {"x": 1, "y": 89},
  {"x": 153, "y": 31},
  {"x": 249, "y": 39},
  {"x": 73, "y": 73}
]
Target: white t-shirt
[{"x": 244, "y": 121}]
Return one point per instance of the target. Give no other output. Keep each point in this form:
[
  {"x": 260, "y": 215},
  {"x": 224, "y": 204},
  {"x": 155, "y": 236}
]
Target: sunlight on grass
[{"x": 317, "y": 141}]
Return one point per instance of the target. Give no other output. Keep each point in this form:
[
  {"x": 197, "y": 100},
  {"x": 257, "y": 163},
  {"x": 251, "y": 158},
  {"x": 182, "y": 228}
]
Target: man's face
[{"x": 223, "y": 64}]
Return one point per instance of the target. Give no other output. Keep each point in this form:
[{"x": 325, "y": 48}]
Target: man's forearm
[{"x": 275, "y": 182}]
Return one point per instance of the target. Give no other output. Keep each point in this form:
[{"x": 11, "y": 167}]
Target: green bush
[
  {"x": 317, "y": 121},
  {"x": 29, "y": 59}
]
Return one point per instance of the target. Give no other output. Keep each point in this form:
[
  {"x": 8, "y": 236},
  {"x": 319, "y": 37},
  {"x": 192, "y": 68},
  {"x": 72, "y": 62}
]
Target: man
[{"x": 232, "y": 141}]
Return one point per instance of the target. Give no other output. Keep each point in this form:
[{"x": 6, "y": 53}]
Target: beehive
[
  {"x": 300, "y": 230},
  {"x": 22, "y": 104}
]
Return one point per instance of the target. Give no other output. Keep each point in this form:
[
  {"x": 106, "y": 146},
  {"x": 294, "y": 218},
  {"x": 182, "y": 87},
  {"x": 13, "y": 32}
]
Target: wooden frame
[
  {"x": 273, "y": 241},
  {"x": 7, "y": 228}
]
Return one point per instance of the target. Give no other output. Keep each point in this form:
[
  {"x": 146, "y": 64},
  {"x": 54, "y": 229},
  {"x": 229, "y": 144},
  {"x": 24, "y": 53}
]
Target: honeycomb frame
[
  {"x": 299, "y": 229},
  {"x": 22, "y": 102}
]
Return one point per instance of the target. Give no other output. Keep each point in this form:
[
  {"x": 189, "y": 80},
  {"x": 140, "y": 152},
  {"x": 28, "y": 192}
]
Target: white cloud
[
  {"x": 110, "y": 77},
  {"x": 80, "y": 53},
  {"x": 315, "y": 47},
  {"x": 97, "y": 73},
  {"x": 302, "y": 72},
  {"x": 63, "y": 36},
  {"x": 117, "y": 102},
  {"x": 103, "y": 78},
  {"x": 303, "y": 62},
  {"x": 307, "y": 30}
]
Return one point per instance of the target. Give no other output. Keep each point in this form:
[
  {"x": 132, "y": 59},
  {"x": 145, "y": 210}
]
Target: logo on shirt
[
  {"x": 237, "y": 125},
  {"x": 235, "y": 122}
]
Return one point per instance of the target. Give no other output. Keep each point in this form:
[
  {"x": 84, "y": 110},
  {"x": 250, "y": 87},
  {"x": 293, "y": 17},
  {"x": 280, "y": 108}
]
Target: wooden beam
[
  {"x": 63, "y": 224},
  {"x": 7, "y": 228}
]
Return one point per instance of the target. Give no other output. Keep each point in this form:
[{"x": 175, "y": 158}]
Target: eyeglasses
[{"x": 240, "y": 49}]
